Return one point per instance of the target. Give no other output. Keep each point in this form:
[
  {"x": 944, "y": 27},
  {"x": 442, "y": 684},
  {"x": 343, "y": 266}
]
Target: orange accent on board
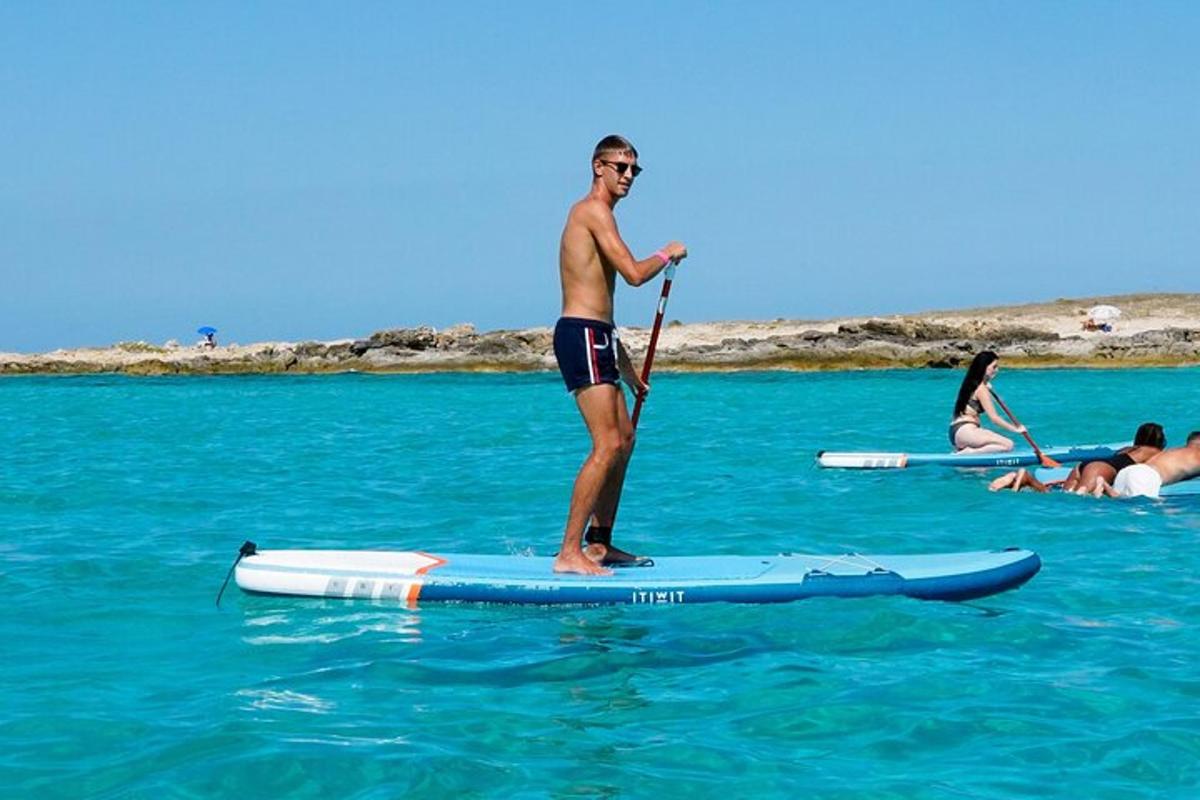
[
  {"x": 903, "y": 461},
  {"x": 414, "y": 588}
]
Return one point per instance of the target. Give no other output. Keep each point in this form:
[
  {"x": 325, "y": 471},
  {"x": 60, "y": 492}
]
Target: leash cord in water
[{"x": 248, "y": 548}]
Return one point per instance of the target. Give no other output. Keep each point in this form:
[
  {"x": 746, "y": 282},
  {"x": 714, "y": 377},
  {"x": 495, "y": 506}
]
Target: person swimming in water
[
  {"x": 967, "y": 434},
  {"x": 1146, "y": 480},
  {"x": 1087, "y": 476}
]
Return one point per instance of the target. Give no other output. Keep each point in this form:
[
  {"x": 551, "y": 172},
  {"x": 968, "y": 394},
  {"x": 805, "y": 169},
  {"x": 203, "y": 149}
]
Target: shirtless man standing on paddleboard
[{"x": 591, "y": 358}]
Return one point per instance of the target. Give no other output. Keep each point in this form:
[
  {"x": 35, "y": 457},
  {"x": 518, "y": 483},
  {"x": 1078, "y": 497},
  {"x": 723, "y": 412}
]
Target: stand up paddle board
[
  {"x": 1013, "y": 458},
  {"x": 1188, "y": 488},
  {"x": 410, "y": 576}
]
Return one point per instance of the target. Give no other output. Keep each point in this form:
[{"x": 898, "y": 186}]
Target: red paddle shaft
[
  {"x": 658, "y": 318},
  {"x": 1046, "y": 460}
]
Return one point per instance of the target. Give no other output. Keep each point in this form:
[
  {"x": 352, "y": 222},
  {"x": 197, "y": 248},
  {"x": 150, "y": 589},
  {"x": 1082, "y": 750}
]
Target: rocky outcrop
[{"x": 1049, "y": 337}]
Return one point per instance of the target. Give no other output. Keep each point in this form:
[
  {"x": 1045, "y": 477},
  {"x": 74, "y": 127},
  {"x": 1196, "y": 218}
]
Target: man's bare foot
[{"x": 578, "y": 563}]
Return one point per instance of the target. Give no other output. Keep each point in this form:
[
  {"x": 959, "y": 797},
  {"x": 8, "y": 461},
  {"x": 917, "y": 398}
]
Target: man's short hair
[
  {"x": 1193, "y": 436},
  {"x": 614, "y": 144}
]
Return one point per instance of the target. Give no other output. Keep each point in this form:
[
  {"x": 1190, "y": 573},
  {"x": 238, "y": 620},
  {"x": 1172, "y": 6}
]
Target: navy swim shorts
[{"x": 586, "y": 350}]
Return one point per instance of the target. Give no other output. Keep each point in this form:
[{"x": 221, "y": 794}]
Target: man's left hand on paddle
[{"x": 676, "y": 251}]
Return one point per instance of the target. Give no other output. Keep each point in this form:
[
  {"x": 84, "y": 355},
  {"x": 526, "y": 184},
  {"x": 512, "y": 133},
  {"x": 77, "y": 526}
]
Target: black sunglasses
[{"x": 621, "y": 167}]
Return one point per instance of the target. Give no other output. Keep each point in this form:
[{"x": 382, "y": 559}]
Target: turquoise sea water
[{"x": 123, "y": 502}]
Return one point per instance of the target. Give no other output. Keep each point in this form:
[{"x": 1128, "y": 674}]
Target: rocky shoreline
[{"x": 1154, "y": 330}]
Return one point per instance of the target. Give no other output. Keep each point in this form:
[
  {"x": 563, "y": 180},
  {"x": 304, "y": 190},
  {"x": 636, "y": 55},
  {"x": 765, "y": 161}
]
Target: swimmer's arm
[
  {"x": 603, "y": 226},
  {"x": 989, "y": 408}
]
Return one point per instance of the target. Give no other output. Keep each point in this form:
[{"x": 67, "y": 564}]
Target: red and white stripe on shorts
[{"x": 593, "y": 365}]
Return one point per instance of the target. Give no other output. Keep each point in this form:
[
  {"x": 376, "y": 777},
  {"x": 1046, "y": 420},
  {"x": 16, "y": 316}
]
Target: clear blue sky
[{"x": 311, "y": 170}]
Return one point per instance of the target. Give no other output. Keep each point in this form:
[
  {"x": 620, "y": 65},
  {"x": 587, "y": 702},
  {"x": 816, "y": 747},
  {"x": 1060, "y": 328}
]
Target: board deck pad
[{"x": 412, "y": 576}]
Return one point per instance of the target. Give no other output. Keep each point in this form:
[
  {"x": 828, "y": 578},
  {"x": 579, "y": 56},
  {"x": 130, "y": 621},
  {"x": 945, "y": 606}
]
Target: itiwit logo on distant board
[{"x": 640, "y": 597}]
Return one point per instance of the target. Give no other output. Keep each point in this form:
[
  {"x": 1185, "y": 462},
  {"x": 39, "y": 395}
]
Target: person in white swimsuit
[{"x": 1172, "y": 465}]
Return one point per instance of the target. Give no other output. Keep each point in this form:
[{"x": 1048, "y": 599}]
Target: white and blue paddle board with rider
[{"x": 412, "y": 577}]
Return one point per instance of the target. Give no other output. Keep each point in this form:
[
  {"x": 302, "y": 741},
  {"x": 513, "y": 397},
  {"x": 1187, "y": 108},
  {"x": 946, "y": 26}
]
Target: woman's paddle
[
  {"x": 1046, "y": 460},
  {"x": 658, "y": 318}
]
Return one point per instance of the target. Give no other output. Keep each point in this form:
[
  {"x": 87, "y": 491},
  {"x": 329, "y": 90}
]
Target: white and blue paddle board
[
  {"x": 1188, "y": 488},
  {"x": 1013, "y": 458},
  {"x": 409, "y": 577}
]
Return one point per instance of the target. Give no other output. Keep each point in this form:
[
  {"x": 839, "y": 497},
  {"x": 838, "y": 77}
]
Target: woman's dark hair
[
  {"x": 974, "y": 377},
  {"x": 1150, "y": 434}
]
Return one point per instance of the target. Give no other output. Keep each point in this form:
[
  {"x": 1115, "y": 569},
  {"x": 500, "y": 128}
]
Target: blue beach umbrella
[{"x": 207, "y": 330}]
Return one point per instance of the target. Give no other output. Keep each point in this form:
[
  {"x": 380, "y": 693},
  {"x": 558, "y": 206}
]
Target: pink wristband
[{"x": 662, "y": 255}]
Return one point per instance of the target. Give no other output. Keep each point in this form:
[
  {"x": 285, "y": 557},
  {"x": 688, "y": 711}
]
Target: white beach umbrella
[{"x": 1103, "y": 313}]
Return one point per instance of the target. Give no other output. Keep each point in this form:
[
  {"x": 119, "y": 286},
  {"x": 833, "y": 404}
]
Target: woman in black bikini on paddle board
[{"x": 967, "y": 434}]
